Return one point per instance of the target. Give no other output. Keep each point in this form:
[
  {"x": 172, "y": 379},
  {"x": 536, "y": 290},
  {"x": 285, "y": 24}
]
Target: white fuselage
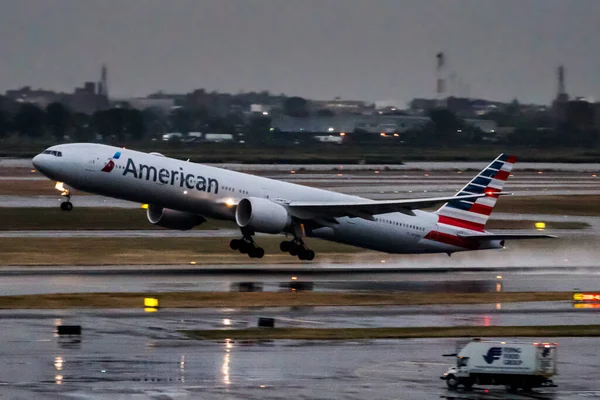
[{"x": 210, "y": 192}]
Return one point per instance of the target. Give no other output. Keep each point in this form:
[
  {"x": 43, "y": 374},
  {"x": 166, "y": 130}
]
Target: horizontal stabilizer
[{"x": 506, "y": 237}]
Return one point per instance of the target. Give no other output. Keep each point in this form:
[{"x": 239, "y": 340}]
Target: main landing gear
[
  {"x": 296, "y": 247},
  {"x": 65, "y": 205},
  {"x": 247, "y": 245}
]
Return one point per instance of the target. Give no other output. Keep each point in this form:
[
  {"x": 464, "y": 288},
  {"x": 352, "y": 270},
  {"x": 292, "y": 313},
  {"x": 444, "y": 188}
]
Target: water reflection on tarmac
[
  {"x": 148, "y": 358},
  {"x": 154, "y": 279}
]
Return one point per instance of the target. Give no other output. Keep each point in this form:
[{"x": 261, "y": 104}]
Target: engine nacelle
[
  {"x": 262, "y": 215},
  {"x": 173, "y": 219}
]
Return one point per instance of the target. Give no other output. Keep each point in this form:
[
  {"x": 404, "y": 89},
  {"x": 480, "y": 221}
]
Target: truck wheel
[
  {"x": 512, "y": 387},
  {"x": 468, "y": 383},
  {"x": 452, "y": 381}
]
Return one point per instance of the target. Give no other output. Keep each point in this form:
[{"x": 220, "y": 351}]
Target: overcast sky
[{"x": 356, "y": 49}]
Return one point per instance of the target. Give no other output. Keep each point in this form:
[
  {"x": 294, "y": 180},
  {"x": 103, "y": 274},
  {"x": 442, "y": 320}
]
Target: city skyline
[{"x": 317, "y": 49}]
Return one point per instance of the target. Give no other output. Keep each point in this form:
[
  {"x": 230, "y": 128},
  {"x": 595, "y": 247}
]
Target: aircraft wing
[
  {"x": 366, "y": 209},
  {"x": 506, "y": 237}
]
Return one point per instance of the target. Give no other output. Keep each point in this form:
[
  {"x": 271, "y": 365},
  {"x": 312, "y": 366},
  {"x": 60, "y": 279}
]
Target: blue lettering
[
  {"x": 130, "y": 168},
  {"x": 163, "y": 176}
]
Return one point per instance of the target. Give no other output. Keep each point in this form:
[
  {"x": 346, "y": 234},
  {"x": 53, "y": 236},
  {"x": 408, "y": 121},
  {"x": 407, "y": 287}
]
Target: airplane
[{"x": 182, "y": 195}]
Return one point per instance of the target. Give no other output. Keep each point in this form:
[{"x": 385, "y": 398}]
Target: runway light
[
  {"x": 586, "y": 296},
  {"x": 193, "y": 262},
  {"x": 459, "y": 172},
  {"x": 540, "y": 172},
  {"x": 593, "y": 175},
  {"x": 425, "y": 174},
  {"x": 586, "y": 305},
  {"x": 342, "y": 133},
  {"x": 294, "y": 278},
  {"x": 292, "y": 172},
  {"x": 377, "y": 171},
  {"x": 151, "y": 302},
  {"x": 498, "y": 276},
  {"x": 383, "y": 261},
  {"x": 540, "y": 225},
  {"x": 33, "y": 170},
  {"x": 262, "y": 386},
  {"x": 58, "y": 363},
  {"x": 226, "y": 321},
  {"x": 339, "y": 175}
]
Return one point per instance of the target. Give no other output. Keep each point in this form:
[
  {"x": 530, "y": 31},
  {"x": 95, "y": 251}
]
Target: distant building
[
  {"x": 339, "y": 106},
  {"x": 86, "y": 99},
  {"x": 376, "y": 124},
  {"x": 144, "y": 103},
  {"x": 38, "y": 97}
]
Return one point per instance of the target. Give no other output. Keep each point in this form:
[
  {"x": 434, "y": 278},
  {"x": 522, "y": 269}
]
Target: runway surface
[
  {"x": 146, "y": 357},
  {"x": 7, "y": 162},
  {"x": 171, "y": 279}
]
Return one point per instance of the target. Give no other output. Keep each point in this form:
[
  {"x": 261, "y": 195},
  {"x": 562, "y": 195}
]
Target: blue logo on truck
[{"x": 494, "y": 353}]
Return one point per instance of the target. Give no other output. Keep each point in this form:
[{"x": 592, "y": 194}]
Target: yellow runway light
[
  {"x": 151, "y": 302},
  {"x": 540, "y": 225}
]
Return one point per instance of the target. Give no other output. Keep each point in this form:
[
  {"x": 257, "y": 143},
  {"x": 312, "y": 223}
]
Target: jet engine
[
  {"x": 173, "y": 219},
  {"x": 262, "y": 215}
]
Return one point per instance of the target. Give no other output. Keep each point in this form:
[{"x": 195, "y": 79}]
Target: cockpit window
[{"x": 53, "y": 153}]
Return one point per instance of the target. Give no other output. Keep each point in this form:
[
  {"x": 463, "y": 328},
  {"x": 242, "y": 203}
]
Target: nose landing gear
[{"x": 65, "y": 205}]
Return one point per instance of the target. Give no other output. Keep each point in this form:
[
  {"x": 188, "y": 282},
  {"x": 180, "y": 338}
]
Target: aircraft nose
[{"x": 37, "y": 161}]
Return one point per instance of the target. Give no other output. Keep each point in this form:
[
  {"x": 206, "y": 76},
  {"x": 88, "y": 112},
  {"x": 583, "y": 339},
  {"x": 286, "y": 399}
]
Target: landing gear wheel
[
  {"x": 257, "y": 252},
  {"x": 309, "y": 255},
  {"x": 245, "y": 247},
  {"x": 285, "y": 246},
  {"x": 66, "y": 206},
  {"x": 235, "y": 244}
]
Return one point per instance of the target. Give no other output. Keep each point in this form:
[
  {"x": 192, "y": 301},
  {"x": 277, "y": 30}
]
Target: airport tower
[
  {"x": 440, "y": 71},
  {"x": 562, "y": 98},
  {"x": 103, "y": 84}
]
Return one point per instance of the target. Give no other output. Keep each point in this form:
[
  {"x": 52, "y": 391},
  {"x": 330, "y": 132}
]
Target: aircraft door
[
  {"x": 435, "y": 232},
  {"x": 93, "y": 163}
]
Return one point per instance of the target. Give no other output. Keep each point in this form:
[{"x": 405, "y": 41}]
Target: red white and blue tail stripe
[{"x": 473, "y": 215}]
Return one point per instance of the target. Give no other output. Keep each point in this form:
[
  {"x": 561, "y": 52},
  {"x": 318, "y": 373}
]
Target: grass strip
[
  {"x": 267, "y": 299},
  {"x": 394, "y": 333}
]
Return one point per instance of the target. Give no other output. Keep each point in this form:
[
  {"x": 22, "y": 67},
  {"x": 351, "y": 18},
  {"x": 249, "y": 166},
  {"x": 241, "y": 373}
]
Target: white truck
[{"x": 513, "y": 364}]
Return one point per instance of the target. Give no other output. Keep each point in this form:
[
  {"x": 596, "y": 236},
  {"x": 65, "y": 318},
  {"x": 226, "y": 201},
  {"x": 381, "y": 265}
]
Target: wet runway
[
  {"x": 146, "y": 357},
  {"x": 168, "y": 279}
]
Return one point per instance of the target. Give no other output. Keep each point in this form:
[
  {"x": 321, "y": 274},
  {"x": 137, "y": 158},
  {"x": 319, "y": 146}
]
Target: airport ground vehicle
[{"x": 517, "y": 365}]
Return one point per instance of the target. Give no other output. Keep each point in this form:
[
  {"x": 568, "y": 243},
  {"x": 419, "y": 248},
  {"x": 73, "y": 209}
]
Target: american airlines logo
[
  {"x": 170, "y": 177},
  {"x": 111, "y": 164}
]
